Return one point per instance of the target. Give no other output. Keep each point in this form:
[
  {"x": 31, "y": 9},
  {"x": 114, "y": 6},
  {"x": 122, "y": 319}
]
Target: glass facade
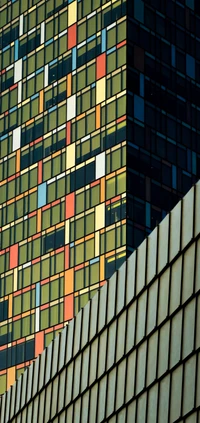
[
  {"x": 99, "y": 138},
  {"x": 62, "y": 166}
]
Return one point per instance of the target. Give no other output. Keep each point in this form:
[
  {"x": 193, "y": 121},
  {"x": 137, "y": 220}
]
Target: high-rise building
[
  {"x": 99, "y": 138},
  {"x": 132, "y": 354}
]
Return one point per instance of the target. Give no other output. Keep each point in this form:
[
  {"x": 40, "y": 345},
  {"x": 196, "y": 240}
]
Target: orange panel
[
  {"x": 98, "y": 116},
  {"x": 102, "y": 265},
  {"x": 13, "y": 256},
  {"x": 71, "y": 33},
  {"x": 69, "y": 281},
  {"x": 10, "y": 376},
  {"x": 68, "y": 133},
  {"x": 69, "y": 307},
  {"x": 41, "y": 101},
  {"x": 39, "y": 343},
  {"x": 102, "y": 190},
  {"x": 18, "y": 160},
  {"x": 70, "y": 205},
  {"x": 40, "y": 172},
  {"x": 101, "y": 66},
  {"x": 10, "y": 305},
  {"x": 69, "y": 85},
  {"x": 39, "y": 220}
]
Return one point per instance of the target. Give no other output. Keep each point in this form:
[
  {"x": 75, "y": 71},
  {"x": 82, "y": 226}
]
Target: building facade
[
  {"x": 132, "y": 354},
  {"x": 99, "y": 138}
]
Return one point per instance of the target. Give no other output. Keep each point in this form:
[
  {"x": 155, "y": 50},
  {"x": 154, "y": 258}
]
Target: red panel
[
  {"x": 39, "y": 343},
  {"x": 68, "y": 133},
  {"x": 67, "y": 256},
  {"x": 71, "y": 35},
  {"x": 69, "y": 205},
  {"x": 69, "y": 307},
  {"x": 123, "y": 43},
  {"x": 101, "y": 66},
  {"x": 13, "y": 256}
]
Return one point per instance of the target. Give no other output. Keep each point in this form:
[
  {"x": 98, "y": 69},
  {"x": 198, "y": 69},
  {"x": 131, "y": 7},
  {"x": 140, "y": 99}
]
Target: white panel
[
  {"x": 163, "y": 243},
  {"x": 163, "y": 351},
  {"x": 77, "y": 333},
  {"x": 16, "y": 138},
  {"x": 102, "y": 307},
  {"x": 163, "y": 296},
  {"x": 85, "y": 368},
  {"x": 17, "y": 70},
  {"x": 67, "y": 231},
  {"x": 187, "y": 220},
  {"x": 141, "y": 266},
  {"x": 152, "y": 307},
  {"x": 46, "y": 76},
  {"x": 42, "y": 32},
  {"x": 131, "y": 327},
  {"x": 110, "y": 356},
  {"x": 121, "y": 332},
  {"x": 19, "y": 98},
  {"x": 131, "y": 370},
  {"x": 21, "y": 22},
  {"x": 152, "y": 404},
  {"x": 175, "y": 346},
  {"x": 102, "y": 399},
  {"x": 188, "y": 328},
  {"x": 152, "y": 358},
  {"x": 141, "y": 368},
  {"x": 85, "y": 324},
  {"x": 120, "y": 385},
  {"x": 189, "y": 385},
  {"x": 121, "y": 285},
  {"x": 152, "y": 255},
  {"x": 76, "y": 376},
  {"x": 100, "y": 165},
  {"x": 176, "y": 388},
  {"x": 197, "y": 208},
  {"x": 141, "y": 317},
  {"x": 111, "y": 297},
  {"x": 175, "y": 228},
  {"x": 141, "y": 411},
  {"x": 48, "y": 362},
  {"x": 175, "y": 291},
  {"x": 164, "y": 400},
  {"x": 111, "y": 392},
  {"x": 56, "y": 345},
  {"x": 71, "y": 107},
  {"x": 37, "y": 319},
  {"x": 130, "y": 281},
  {"x": 188, "y": 273}
]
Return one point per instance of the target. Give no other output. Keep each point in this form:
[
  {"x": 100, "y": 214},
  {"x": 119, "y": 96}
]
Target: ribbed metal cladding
[{"x": 132, "y": 354}]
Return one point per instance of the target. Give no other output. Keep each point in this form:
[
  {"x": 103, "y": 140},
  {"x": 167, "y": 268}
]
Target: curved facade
[{"x": 132, "y": 353}]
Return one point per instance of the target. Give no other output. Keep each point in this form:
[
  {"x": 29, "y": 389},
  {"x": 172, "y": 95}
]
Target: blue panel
[
  {"x": 174, "y": 177},
  {"x": 190, "y": 66},
  {"x": 74, "y": 58},
  {"x": 103, "y": 40},
  {"x": 139, "y": 10},
  {"x": 190, "y": 4},
  {"x": 173, "y": 55},
  {"x": 142, "y": 85},
  {"x": 16, "y": 49},
  {"x": 37, "y": 294},
  {"x": 194, "y": 163},
  {"x": 148, "y": 215},
  {"x": 42, "y": 194},
  {"x": 138, "y": 108}
]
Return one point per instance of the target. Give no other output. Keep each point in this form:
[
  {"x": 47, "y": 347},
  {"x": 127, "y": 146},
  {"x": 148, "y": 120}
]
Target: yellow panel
[
  {"x": 96, "y": 244},
  {"x": 11, "y": 377},
  {"x": 15, "y": 279},
  {"x": 100, "y": 90},
  {"x": 99, "y": 216},
  {"x": 70, "y": 162},
  {"x": 10, "y": 305},
  {"x": 72, "y": 13}
]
